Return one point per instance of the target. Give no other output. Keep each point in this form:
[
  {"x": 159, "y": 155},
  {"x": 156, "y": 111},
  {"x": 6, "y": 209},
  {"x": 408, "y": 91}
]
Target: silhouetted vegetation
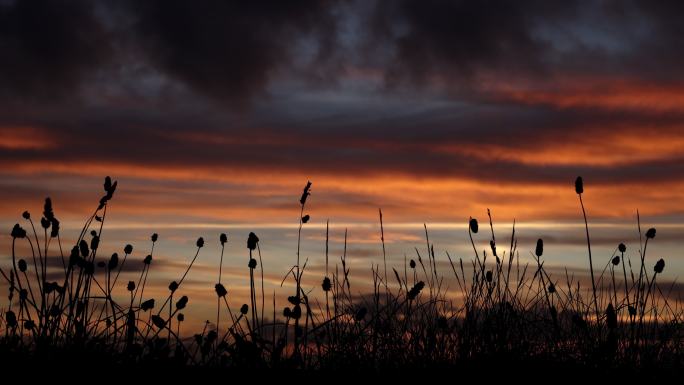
[{"x": 501, "y": 311}]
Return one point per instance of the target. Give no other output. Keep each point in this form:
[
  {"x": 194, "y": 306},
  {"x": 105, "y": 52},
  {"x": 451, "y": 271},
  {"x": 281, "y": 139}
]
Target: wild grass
[{"x": 500, "y": 311}]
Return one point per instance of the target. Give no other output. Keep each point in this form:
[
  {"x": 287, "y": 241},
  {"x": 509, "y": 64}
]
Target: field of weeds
[{"x": 509, "y": 316}]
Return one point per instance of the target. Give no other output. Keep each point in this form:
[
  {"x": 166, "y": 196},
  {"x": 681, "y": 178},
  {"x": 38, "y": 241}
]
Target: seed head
[
  {"x": 128, "y": 249},
  {"x": 154, "y": 237},
  {"x": 113, "y": 262},
  {"x": 489, "y": 276},
  {"x": 412, "y": 264},
  {"x": 415, "y": 290},
  {"x": 244, "y": 309},
  {"x": 130, "y": 286},
  {"x": 540, "y": 248},
  {"x": 474, "y": 227},
  {"x": 632, "y": 310},
  {"x": 326, "y": 284},
  {"x": 95, "y": 242},
  {"x": 252, "y": 241},
  {"x": 622, "y": 247},
  {"x": 18, "y": 232},
  {"x": 158, "y": 321},
  {"x": 305, "y": 218},
  {"x": 296, "y": 311},
  {"x": 220, "y": 290},
  {"x": 10, "y": 319},
  {"x": 83, "y": 247},
  {"x": 182, "y": 302},
  {"x": 22, "y": 265},
  {"x": 173, "y": 286},
  {"x": 26, "y": 215},
  {"x": 180, "y": 317},
  {"x": 200, "y": 242},
  {"x": 252, "y": 263},
  {"x": 148, "y": 259},
  {"x": 616, "y": 260},
  {"x": 147, "y": 305},
  {"x": 47, "y": 209},
  {"x": 659, "y": 266},
  {"x": 223, "y": 238},
  {"x": 651, "y": 233},
  {"x": 306, "y": 193},
  {"x": 579, "y": 185},
  {"x": 552, "y": 288},
  {"x": 29, "y": 325},
  {"x": 55, "y": 227}
]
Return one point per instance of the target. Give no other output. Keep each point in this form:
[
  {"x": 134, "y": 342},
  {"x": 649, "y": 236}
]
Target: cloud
[
  {"x": 230, "y": 50},
  {"x": 49, "y": 48}
]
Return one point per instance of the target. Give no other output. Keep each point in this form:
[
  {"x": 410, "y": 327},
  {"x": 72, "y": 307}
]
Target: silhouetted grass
[{"x": 501, "y": 312}]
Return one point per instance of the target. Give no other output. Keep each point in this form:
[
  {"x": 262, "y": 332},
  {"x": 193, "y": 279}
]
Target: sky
[{"x": 213, "y": 115}]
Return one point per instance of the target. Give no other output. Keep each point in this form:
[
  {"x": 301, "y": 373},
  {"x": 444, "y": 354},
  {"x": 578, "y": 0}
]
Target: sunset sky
[{"x": 213, "y": 115}]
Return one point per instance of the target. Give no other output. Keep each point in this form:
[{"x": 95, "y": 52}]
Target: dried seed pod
[
  {"x": 83, "y": 247},
  {"x": 415, "y": 290},
  {"x": 182, "y": 302},
  {"x": 220, "y": 290},
  {"x": 306, "y": 193},
  {"x": 326, "y": 284},
  {"x": 147, "y": 305},
  {"x": 158, "y": 321},
  {"x": 113, "y": 262},
  {"x": 579, "y": 185},
  {"x": 173, "y": 286},
  {"x": 474, "y": 227},
  {"x": 252, "y": 241},
  {"x": 540, "y": 248},
  {"x": 18, "y": 232}
]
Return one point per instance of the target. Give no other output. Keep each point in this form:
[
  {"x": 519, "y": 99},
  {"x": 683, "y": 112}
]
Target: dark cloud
[
  {"x": 49, "y": 47},
  {"x": 230, "y": 49},
  {"x": 234, "y": 51},
  {"x": 455, "y": 40}
]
